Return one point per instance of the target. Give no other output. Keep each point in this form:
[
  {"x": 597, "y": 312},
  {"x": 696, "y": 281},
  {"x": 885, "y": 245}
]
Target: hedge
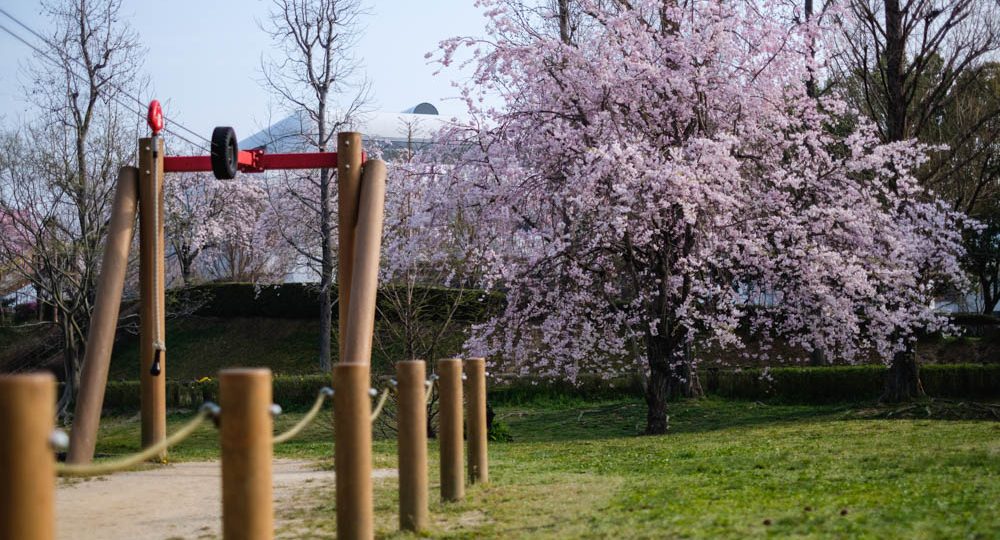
[
  {"x": 290, "y": 392},
  {"x": 845, "y": 383},
  {"x": 301, "y": 301},
  {"x": 806, "y": 384}
]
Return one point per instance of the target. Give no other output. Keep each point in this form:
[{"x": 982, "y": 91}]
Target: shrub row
[
  {"x": 290, "y": 392},
  {"x": 301, "y": 301},
  {"x": 844, "y": 383},
  {"x": 807, "y": 385}
]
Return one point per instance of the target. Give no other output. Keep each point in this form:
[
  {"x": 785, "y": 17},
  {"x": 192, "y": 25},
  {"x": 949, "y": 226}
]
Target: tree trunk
[
  {"x": 902, "y": 382},
  {"x": 895, "y": 60},
  {"x": 71, "y": 365},
  {"x": 564, "y": 30},
  {"x": 990, "y": 290},
  {"x": 672, "y": 376},
  {"x": 327, "y": 266},
  {"x": 818, "y": 357},
  {"x": 325, "y": 326}
]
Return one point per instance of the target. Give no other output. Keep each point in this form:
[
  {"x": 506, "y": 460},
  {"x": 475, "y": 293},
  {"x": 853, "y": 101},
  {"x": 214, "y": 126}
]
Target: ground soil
[{"x": 180, "y": 501}]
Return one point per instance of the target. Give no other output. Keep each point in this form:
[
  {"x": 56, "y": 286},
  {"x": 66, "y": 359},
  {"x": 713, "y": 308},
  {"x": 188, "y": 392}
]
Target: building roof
[{"x": 415, "y": 125}]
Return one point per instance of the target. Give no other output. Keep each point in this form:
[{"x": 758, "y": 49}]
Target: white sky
[{"x": 204, "y": 57}]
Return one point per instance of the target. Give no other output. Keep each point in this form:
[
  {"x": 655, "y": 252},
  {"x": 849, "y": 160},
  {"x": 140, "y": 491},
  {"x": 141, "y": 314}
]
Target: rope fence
[
  {"x": 249, "y": 419},
  {"x": 381, "y": 404},
  {"x": 208, "y": 410},
  {"x": 324, "y": 393}
]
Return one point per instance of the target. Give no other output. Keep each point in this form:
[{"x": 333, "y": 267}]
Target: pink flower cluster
[{"x": 650, "y": 183}]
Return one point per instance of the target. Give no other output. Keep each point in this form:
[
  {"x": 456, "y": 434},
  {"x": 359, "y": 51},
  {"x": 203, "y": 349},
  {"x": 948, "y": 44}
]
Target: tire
[{"x": 225, "y": 153}]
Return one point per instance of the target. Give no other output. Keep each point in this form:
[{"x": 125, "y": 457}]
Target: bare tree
[
  {"x": 59, "y": 186},
  {"x": 316, "y": 76},
  {"x": 907, "y": 64}
]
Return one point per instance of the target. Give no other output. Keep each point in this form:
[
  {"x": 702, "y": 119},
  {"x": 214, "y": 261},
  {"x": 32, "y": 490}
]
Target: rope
[
  {"x": 95, "y": 469},
  {"x": 307, "y": 419},
  {"x": 430, "y": 391},
  {"x": 159, "y": 347},
  {"x": 381, "y": 404}
]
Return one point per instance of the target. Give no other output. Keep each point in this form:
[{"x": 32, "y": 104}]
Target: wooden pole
[
  {"x": 357, "y": 341},
  {"x": 449, "y": 382},
  {"x": 27, "y": 465},
  {"x": 475, "y": 381},
  {"x": 104, "y": 321},
  {"x": 411, "y": 428},
  {"x": 152, "y": 342},
  {"x": 348, "y": 191},
  {"x": 246, "y": 429},
  {"x": 353, "y": 452}
]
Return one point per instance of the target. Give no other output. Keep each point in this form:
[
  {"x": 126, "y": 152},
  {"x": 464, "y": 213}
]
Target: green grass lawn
[{"x": 727, "y": 469}]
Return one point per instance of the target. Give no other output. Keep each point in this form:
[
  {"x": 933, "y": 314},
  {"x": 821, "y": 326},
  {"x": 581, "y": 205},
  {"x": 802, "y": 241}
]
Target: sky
[{"x": 203, "y": 57}]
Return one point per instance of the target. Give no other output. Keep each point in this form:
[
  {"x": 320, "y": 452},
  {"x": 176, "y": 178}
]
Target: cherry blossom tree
[
  {"x": 224, "y": 229},
  {"x": 654, "y": 169}
]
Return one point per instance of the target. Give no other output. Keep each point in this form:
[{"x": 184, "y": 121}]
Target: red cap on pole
[{"x": 154, "y": 117}]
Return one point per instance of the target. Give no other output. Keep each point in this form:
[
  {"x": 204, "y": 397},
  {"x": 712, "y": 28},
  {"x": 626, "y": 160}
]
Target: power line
[
  {"x": 83, "y": 79},
  {"x": 81, "y": 64}
]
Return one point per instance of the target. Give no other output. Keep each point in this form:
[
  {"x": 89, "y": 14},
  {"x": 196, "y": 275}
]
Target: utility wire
[{"x": 138, "y": 101}]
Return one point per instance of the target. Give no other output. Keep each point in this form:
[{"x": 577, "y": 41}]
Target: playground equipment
[
  {"x": 361, "y": 204},
  {"x": 27, "y": 467}
]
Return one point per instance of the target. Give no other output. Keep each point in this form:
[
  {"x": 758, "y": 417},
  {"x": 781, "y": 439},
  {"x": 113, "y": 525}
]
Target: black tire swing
[{"x": 225, "y": 153}]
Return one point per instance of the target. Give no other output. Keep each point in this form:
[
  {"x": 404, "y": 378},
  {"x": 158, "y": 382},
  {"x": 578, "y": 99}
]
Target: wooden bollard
[
  {"x": 353, "y": 452},
  {"x": 411, "y": 427},
  {"x": 246, "y": 430},
  {"x": 449, "y": 371},
  {"x": 27, "y": 465},
  {"x": 475, "y": 417}
]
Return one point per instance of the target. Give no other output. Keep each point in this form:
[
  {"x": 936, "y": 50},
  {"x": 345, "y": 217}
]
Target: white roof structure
[{"x": 391, "y": 130}]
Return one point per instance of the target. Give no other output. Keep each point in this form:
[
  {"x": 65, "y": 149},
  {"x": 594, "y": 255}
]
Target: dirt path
[{"x": 173, "y": 502}]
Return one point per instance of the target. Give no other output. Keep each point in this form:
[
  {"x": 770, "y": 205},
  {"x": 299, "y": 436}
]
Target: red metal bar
[
  {"x": 187, "y": 163},
  {"x": 315, "y": 160},
  {"x": 256, "y": 161}
]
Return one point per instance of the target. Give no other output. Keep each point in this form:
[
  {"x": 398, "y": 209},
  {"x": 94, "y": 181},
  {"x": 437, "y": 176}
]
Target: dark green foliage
[
  {"x": 847, "y": 383},
  {"x": 500, "y": 432},
  {"x": 790, "y": 384},
  {"x": 300, "y": 301},
  {"x": 962, "y": 381},
  {"x": 793, "y": 385},
  {"x": 291, "y": 392}
]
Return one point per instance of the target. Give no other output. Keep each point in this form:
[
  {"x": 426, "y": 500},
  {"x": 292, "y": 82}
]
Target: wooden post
[
  {"x": 411, "y": 428},
  {"x": 246, "y": 430},
  {"x": 360, "y": 247},
  {"x": 348, "y": 191},
  {"x": 104, "y": 322},
  {"x": 27, "y": 465},
  {"x": 475, "y": 381},
  {"x": 353, "y": 452},
  {"x": 152, "y": 342},
  {"x": 357, "y": 341},
  {"x": 449, "y": 382}
]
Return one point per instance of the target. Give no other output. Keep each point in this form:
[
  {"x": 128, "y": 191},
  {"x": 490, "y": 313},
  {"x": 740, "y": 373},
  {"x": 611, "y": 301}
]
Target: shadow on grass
[
  {"x": 565, "y": 420},
  {"x": 603, "y": 420}
]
